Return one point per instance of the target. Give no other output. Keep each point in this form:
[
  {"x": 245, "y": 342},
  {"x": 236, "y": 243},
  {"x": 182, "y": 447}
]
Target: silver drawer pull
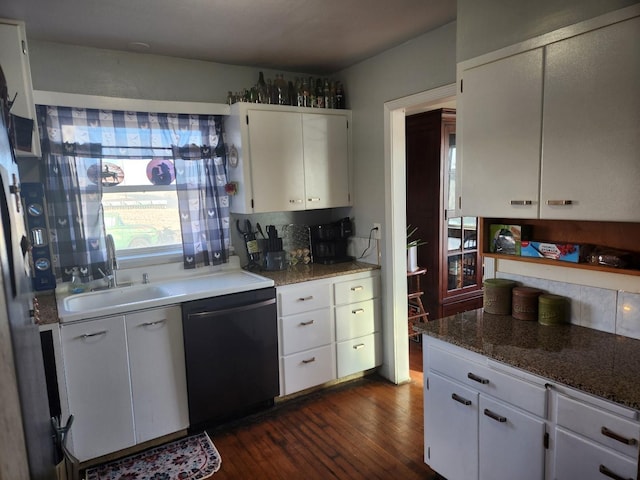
[
  {"x": 357, "y": 289},
  {"x": 611, "y": 434},
  {"x": 495, "y": 416},
  {"x": 304, "y": 324},
  {"x": 478, "y": 379},
  {"x": 559, "y": 202},
  {"x": 358, "y": 346},
  {"x": 295, "y": 201},
  {"x": 611, "y": 474},
  {"x": 357, "y": 311},
  {"x": 313, "y": 199},
  {"x": 96, "y": 334},
  {"x": 309, "y": 360},
  {"x": 151, "y": 324},
  {"x": 521, "y": 202},
  {"x": 460, "y": 399},
  {"x": 304, "y": 299}
]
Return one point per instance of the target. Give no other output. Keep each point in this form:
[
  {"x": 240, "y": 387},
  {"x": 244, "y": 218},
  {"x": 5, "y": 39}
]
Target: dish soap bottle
[{"x": 77, "y": 286}]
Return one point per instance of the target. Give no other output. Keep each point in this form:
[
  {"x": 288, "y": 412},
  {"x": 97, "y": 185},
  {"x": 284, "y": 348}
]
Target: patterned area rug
[{"x": 191, "y": 458}]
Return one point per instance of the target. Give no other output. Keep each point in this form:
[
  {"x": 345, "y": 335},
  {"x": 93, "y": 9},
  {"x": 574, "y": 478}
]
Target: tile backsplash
[{"x": 612, "y": 311}]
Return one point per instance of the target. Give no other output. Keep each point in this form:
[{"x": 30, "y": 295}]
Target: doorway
[{"x": 395, "y": 260}]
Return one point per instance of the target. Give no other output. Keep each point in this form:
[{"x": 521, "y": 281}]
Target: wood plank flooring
[{"x": 366, "y": 429}]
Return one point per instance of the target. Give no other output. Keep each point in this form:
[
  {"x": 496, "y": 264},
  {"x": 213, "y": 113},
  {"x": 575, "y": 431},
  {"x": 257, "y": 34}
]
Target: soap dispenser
[{"x": 77, "y": 286}]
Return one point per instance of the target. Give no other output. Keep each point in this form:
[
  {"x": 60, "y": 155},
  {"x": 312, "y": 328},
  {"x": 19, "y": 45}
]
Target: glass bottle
[
  {"x": 326, "y": 91},
  {"x": 300, "y": 96},
  {"x": 261, "y": 89},
  {"x": 340, "y": 101},
  {"x": 305, "y": 93},
  {"x": 319, "y": 94},
  {"x": 312, "y": 93}
]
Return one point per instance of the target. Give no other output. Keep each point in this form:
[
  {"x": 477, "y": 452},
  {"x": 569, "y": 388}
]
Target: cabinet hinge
[
  {"x": 545, "y": 442},
  {"x": 429, "y": 453},
  {"x": 247, "y": 117}
]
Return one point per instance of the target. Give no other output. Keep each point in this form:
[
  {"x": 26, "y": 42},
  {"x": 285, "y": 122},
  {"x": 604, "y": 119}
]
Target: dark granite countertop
[
  {"x": 315, "y": 271},
  {"x": 595, "y": 362}
]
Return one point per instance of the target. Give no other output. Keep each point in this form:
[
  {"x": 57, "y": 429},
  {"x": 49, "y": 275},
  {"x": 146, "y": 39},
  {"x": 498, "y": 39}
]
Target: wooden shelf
[{"x": 557, "y": 263}]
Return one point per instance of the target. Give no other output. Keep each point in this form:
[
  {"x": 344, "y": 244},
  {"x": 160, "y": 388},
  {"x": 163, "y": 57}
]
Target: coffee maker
[{"x": 329, "y": 241}]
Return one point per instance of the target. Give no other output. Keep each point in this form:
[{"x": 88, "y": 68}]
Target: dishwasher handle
[{"x": 241, "y": 308}]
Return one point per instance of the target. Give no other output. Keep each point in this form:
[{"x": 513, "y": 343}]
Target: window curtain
[
  {"x": 74, "y": 143},
  {"x": 203, "y": 204}
]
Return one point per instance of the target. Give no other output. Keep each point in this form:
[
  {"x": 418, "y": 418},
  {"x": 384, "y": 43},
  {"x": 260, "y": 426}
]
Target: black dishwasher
[{"x": 231, "y": 353}]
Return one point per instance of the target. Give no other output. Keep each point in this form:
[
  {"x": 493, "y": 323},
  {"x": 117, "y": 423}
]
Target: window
[{"x": 140, "y": 205}]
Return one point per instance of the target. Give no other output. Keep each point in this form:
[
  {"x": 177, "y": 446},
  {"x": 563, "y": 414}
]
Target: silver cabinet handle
[
  {"x": 611, "y": 434},
  {"x": 296, "y": 201},
  {"x": 521, "y": 202},
  {"x": 313, "y": 199},
  {"x": 495, "y": 416},
  {"x": 151, "y": 324},
  {"x": 460, "y": 399},
  {"x": 358, "y": 346},
  {"x": 95, "y": 334},
  {"x": 304, "y": 324},
  {"x": 478, "y": 379},
  {"x": 357, "y": 311},
  {"x": 559, "y": 202},
  {"x": 304, "y": 299},
  {"x": 310, "y": 360},
  {"x": 357, "y": 288},
  {"x": 611, "y": 474}
]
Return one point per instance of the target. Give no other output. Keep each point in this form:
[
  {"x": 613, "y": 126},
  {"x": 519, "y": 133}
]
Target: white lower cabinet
[
  {"x": 125, "y": 380},
  {"x": 592, "y": 442},
  {"x": 96, "y": 369},
  {"x": 471, "y": 430},
  {"x": 328, "y": 329},
  {"x": 489, "y": 421}
]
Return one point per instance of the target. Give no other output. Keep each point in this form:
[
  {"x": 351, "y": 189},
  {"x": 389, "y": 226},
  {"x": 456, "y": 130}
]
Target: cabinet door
[
  {"x": 576, "y": 457},
  {"x": 451, "y": 428},
  {"x": 158, "y": 381},
  {"x": 14, "y": 59},
  {"x": 591, "y": 121},
  {"x": 499, "y": 119},
  {"x": 326, "y": 160},
  {"x": 510, "y": 443},
  {"x": 96, "y": 368},
  {"x": 277, "y": 172}
]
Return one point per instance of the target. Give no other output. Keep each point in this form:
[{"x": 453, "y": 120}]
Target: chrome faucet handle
[{"x": 109, "y": 279}]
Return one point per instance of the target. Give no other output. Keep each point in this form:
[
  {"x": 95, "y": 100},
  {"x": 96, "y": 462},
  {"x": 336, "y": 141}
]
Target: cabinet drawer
[
  {"x": 518, "y": 392},
  {"x": 357, "y": 319},
  {"x": 603, "y": 427},
  {"x": 578, "y": 458},
  {"x": 357, "y": 290},
  {"x": 359, "y": 354},
  {"x": 308, "y": 369},
  {"x": 298, "y": 299},
  {"x": 305, "y": 330}
]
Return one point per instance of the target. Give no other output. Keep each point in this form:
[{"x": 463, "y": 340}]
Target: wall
[
  {"x": 489, "y": 25},
  {"x": 91, "y": 71},
  {"x": 421, "y": 64}
]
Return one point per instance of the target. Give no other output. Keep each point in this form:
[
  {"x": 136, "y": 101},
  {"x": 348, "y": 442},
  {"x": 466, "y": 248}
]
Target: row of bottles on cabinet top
[{"x": 304, "y": 92}]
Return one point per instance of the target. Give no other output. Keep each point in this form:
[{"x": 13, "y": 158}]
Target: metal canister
[
  {"x": 524, "y": 303},
  {"x": 497, "y": 295},
  {"x": 552, "y": 309}
]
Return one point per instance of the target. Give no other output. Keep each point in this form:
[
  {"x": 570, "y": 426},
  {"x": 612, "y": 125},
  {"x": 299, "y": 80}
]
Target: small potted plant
[{"x": 412, "y": 248}]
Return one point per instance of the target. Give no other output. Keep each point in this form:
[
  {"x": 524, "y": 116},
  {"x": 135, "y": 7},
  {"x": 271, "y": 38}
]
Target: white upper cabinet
[
  {"x": 550, "y": 128},
  {"x": 500, "y": 127},
  {"x": 288, "y": 158},
  {"x": 14, "y": 59},
  {"x": 591, "y": 126}
]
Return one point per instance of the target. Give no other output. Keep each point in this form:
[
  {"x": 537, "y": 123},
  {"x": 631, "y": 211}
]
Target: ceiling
[{"x": 312, "y": 36}]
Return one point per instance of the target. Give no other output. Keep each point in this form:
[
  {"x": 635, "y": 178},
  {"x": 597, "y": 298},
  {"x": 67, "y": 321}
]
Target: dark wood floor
[{"x": 366, "y": 429}]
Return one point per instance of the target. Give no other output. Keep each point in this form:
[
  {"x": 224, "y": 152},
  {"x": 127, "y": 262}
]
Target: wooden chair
[{"x": 416, "y": 311}]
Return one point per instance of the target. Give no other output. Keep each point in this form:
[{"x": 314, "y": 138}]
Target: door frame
[{"x": 395, "y": 259}]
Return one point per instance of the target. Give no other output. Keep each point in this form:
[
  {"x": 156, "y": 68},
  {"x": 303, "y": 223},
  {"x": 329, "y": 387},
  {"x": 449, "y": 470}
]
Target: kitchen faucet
[{"x": 112, "y": 262}]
